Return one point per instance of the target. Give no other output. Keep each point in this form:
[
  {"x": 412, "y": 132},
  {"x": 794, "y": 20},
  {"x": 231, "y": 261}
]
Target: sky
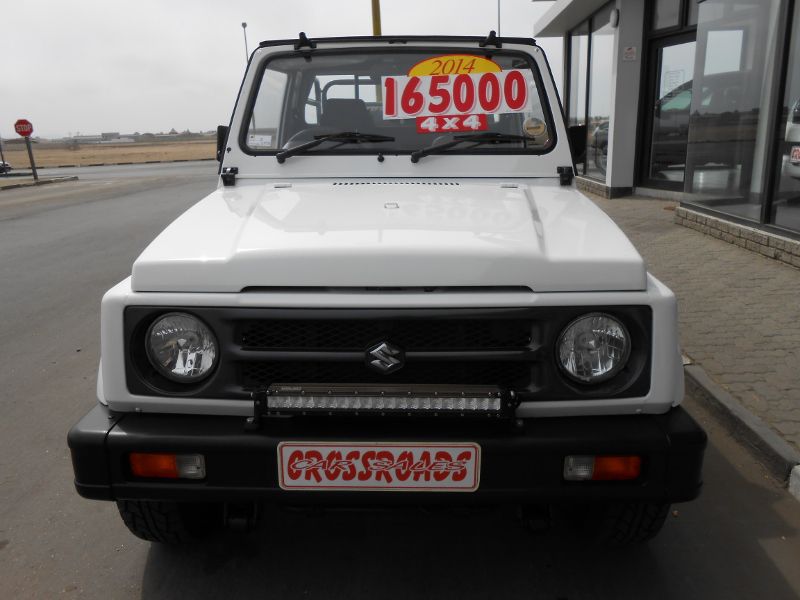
[{"x": 92, "y": 66}]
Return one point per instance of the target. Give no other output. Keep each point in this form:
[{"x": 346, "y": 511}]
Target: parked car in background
[
  {"x": 721, "y": 109},
  {"x": 793, "y": 141},
  {"x": 5, "y": 167},
  {"x": 599, "y": 145}
]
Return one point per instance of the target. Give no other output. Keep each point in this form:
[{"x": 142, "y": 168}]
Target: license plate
[
  {"x": 379, "y": 466},
  {"x": 795, "y": 156}
]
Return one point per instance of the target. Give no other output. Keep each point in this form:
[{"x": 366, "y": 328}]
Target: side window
[
  {"x": 312, "y": 107},
  {"x": 263, "y": 129}
]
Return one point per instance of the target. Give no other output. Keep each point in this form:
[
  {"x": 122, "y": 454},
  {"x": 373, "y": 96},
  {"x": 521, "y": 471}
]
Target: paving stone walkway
[{"x": 739, "y": 311}]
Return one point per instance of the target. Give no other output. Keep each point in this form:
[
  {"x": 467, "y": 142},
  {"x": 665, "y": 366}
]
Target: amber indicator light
[
  {"x": 154, "y": 465},
  {"x": 615, "y": 468}
]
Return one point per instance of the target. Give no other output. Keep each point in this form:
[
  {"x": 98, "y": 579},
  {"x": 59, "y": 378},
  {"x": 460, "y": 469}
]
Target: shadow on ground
[{"x": 726, "y": 545}]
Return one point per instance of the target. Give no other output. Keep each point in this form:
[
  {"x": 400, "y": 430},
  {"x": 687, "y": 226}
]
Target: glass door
[{"x": 669, "y": 102}]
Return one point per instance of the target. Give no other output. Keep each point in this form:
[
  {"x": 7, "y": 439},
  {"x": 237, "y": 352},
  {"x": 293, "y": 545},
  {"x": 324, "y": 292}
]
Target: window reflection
[
  {"x": 727, "y": 132},
  {"x": 579, "y": 64},
  {"x": 786, "y": 203},
  {"x": 600, "y": 69}
]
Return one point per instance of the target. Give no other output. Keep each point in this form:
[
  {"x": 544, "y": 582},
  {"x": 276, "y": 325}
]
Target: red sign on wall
[{"x": 23, "y": 127}]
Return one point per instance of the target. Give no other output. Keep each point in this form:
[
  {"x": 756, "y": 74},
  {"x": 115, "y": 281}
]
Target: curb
[
  {"x": 115, "y": 164},
  {"x": 37, "y": 183},
  {"x": 781, "y": 459}
]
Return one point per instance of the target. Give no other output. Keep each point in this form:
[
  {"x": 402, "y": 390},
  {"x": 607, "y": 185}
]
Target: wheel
[
  {"x": 601, "y": 158},
  {"x": 621, "y": 523},
  {"x": 169, "y": 522}
]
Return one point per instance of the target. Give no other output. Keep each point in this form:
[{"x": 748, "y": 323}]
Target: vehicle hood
[{"x": 391, "y": 233}]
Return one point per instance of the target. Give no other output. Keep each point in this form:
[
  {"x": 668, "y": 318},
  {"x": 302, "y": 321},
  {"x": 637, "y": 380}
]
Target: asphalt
[{"x": 741, "y": 539}]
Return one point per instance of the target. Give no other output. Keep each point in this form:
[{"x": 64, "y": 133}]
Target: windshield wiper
[
  {"x": 487, "y": 137},
  {"x": 344, "y": 137}
]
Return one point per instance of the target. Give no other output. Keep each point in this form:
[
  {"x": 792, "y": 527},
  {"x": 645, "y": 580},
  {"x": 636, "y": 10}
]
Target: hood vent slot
[{"x": 396, "y": 183}]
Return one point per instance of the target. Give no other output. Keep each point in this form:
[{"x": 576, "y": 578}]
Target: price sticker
[
  {"x": 452, "y": 123},
  {"x": 464, "y": 94}
]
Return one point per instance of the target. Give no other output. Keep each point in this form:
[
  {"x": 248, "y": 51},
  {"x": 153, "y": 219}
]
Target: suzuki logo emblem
[{"x": 385, "y": 358}]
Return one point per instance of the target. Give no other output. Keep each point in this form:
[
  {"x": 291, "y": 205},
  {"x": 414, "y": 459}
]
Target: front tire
[{"x": 169, "y": 522}]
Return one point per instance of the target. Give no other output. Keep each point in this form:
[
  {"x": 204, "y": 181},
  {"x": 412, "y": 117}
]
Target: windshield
[{"x": 414, "y": 98}]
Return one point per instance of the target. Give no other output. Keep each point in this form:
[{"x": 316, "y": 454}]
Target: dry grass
[{"x": 109, "y": 153}]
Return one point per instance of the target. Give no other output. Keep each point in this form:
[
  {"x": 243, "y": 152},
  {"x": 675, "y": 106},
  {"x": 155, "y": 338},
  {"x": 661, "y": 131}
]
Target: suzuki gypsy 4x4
[{"x": 394, "y": 297}]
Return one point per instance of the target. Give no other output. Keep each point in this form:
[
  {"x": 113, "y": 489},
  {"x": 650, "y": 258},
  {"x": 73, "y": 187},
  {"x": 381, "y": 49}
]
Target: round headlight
[
  {"x": 593, "y": 348},
  {"x": 181, "y": 347}
]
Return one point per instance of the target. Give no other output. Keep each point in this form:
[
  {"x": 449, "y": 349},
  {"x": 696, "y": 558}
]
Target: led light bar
[{"x": 378, "y": 400}]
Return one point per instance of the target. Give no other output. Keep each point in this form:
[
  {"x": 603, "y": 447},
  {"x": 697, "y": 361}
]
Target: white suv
[{"x": 394, "y": 296}]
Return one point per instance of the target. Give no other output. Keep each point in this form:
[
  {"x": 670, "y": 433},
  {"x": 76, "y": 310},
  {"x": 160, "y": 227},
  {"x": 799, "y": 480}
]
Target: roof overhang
[{"x": 565, "y": 15}]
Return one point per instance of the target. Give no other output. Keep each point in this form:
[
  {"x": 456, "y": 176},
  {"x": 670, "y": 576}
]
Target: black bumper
[{"x": 518, "y": 463}]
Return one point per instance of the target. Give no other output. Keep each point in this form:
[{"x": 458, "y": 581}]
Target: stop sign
[{"x": 23, "y": 127}]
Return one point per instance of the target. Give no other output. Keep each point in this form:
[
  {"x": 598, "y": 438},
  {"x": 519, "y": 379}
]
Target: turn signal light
[
  {"x": 167, "y": 466},
  {"x": 602, "y": 468},
  {"x": 610, "y": 468}
]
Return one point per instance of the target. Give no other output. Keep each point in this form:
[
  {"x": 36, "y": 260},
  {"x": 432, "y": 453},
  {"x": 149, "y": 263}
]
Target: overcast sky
[{"x": 90, "y": 66}]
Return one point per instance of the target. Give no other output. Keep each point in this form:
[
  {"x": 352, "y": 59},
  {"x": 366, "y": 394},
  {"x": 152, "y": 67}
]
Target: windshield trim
[{"x": 482, "y": 51}]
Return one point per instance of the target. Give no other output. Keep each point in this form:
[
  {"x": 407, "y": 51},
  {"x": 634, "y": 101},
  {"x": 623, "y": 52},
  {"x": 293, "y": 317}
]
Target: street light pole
[{"x": 246, "y": 52}]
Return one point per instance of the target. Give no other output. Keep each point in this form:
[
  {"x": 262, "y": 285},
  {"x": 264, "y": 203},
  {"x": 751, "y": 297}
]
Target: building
[{"x": 694, "y": 100}]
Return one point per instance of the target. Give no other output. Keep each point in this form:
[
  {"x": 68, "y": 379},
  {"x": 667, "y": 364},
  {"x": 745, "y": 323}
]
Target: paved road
[
  {"x": 199, "y": 167},
  {"x": 740, "y": 540},
  {"x": 738, "y": 309}
]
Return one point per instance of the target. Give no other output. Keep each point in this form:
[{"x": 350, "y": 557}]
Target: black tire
[
  {"x": 620, "y": 523},
  {"x": 169, "y": 522},
  {"x": 631, "y": 523}
]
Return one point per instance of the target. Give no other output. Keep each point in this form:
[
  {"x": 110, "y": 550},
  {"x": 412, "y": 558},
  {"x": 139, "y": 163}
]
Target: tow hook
[{"x": 241, "y": 516}]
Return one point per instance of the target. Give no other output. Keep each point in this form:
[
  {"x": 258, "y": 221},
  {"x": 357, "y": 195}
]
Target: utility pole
[{"x": 376, "y": 17}]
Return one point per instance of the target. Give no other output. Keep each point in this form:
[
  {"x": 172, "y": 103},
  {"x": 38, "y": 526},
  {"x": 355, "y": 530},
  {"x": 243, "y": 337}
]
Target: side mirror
[
  {"x": 577, "y": 142},
  {"x": 222, "y": 138}
]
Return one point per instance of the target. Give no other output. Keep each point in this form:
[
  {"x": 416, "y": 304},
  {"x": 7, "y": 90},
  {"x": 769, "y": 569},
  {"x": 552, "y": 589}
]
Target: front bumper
[{"x": 520, "y": 463}]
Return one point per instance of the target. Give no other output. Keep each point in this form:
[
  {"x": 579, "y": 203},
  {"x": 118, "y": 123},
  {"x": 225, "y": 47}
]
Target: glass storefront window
[
  {"x": 691, "y": 12},
  {"x": 727, "y": 134},
  {"x": 601, "y": 62},
  {"x": 786, "y": 201},
  {"x": 670, "y": 117},
  {"x": 666, "y": 13},
  {"x": 579, "y": 64}
]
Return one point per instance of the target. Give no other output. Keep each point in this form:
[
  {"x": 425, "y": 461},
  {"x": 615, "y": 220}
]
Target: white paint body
[{"x": 348, "y": 222}]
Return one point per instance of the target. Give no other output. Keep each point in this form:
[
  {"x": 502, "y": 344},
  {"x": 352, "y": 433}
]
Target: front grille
[
  {"x": 356, "y": 335},
  {"x": 257, "y": 375},
  {"x": 509, "y": 349}
]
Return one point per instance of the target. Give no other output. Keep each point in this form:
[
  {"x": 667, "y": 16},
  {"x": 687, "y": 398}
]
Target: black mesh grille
[
  {"x": 357, "y": 335},
  {"x": 256, "y": 374}
]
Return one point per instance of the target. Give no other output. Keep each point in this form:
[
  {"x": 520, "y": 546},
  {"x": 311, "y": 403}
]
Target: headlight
[
  {"x": 593, "y": 348},
  {"x": 181, "y": 347}
]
